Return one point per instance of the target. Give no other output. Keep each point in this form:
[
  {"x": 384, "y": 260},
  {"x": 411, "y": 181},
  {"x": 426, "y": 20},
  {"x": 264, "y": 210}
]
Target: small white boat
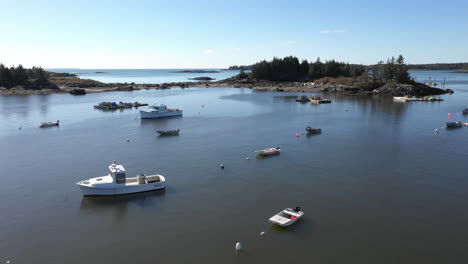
[
  {"x": 49, "y": 124},
  {"x": 453, "y": 124},
  {"x": 269, "y": 151},
  {"x": 287, "y": 217},
  {"x": 172, "y": 132},
  {"x": 158, "y": 111},
  {"x": 117, "y": 183}
]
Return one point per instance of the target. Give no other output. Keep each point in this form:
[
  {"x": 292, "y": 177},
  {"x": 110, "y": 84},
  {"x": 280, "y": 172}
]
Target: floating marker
[
  {"x": 238, "y": 246},
  {"x": 262, "y": 233},
  {"x": 436, "y": 131},
  {"x": 247, "y": 158},
  {"x": 298, "y": 136},
  {"x": 449, "y": 115},
  {"x": 222, "y": 166}
]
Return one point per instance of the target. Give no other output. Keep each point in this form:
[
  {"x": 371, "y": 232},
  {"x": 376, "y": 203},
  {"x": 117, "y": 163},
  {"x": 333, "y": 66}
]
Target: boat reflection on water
[{"x": 121, "y": 203}]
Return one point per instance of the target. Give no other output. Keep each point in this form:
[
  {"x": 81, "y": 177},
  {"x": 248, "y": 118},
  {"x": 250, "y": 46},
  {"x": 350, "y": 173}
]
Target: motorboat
[
  {"x": 172, "y": 132},
  {"x": 50, "y": 124},
  {"x": 311, "y": 130},
  {"x": 316, "y": 99},
  {"x": 269, "y": 151},
  {"x": 158, "y": 111},
  {"x": 454, "y": 124},
  {"x": 287, "y": 217},
  {"x": 117, "y": 183},
  {"x": 302, "y": 99}
]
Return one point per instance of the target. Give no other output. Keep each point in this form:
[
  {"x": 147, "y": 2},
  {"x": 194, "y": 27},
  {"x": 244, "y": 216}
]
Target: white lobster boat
[
  {"x": 117, "y": 183},
  {"x": 158, "y": 111}
]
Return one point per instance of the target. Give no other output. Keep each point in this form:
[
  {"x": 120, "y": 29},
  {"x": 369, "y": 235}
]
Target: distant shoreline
[{"x": 303, "y": 87}]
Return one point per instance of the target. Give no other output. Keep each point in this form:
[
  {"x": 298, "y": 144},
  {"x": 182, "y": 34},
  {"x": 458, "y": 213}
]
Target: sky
[{"x": 216, "y": 34}]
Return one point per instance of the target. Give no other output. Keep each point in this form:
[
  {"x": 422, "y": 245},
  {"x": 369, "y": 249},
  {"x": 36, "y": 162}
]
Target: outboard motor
[{"x": 297, "y": 209}]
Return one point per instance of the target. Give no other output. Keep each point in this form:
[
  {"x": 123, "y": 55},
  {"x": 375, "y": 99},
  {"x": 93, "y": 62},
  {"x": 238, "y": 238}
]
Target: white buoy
[
  {"x": 247, "y": 158},
  {"x": 238, "y": 246},
  {"x": 262, "y": 233},
  {"x": 436, "y": 131},
  {"x": 128, "y": 140},
  {"x": 222, "y": 166}
]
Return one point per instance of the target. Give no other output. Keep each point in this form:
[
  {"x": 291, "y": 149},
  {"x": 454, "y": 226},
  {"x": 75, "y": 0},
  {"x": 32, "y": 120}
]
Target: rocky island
[
  {"x": 282, "y": 75},
  {"x": 196, "y": 71}
]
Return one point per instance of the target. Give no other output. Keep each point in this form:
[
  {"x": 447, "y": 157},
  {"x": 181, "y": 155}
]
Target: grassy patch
[{"x": 74, "y": 82}]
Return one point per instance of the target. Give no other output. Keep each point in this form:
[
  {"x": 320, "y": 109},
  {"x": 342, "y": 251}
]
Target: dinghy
[
  {"x": 172, "y": 132},
  {"x": 49, "y": 124},
  {"x": 311, "y": 130},
  {"x": 269, "y": 151},
  {"x": 453, "y": 124},
  {"x": 287, "y": 217}
]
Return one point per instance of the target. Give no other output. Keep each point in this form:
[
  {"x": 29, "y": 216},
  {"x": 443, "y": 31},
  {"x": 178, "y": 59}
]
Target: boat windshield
[{"x": 158, "y": 107}]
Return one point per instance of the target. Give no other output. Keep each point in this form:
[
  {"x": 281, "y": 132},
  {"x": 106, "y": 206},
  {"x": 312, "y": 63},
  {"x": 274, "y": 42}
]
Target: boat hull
[
  {"x": 454, "y": 124},
  {"x": 97, "y": 191},
  {"x": 151, "y": 115}
]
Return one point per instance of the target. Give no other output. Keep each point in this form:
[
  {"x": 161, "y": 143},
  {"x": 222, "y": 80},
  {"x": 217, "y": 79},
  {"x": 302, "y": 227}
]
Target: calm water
[
  {"x": 145, "y": 75},
  {"x": 378, "y": 186}
]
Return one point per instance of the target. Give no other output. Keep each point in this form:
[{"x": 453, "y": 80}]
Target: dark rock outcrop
[
  {"x": 78, "y": 91},
  {"x": 196, "y": 71},
  {"x": 202, "y": 79}
]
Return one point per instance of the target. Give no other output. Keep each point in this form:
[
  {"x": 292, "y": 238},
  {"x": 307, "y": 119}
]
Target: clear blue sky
[{"x": 212, "y": 34}]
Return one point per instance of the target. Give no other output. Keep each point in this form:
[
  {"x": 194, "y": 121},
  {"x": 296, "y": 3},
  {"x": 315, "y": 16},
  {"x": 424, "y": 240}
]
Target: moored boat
[
  {"x": 50, "y": 124},
  {"x": 287, "y": 217},
  {"x": 117, "y": 183},
  {"x": 465, "y": 111},
  {"x": 302, "y": 99},
  {"x": 172, "y": 132},
  {"x": 454, "y": 124},
  {"x": 269, "y": 151},
  {"x": 311, "y": 130},
  {"x": 315, "y": 99},
  {"x": 158, "y": 111}
]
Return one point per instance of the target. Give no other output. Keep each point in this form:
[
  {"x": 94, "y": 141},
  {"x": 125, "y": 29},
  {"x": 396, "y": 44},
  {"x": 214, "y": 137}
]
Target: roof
[{"x": 116, "y": 168}]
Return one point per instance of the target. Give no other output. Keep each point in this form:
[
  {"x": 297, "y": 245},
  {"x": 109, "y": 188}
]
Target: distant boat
[
  {"x": 269, "y": 151},
  {"x": 49, "y": 124},
  {"x": 158, "y": 111},
  {"x": 302, "y": 99},
  {"x": 287, "y": 217},
  {"x": 168, "y": 132},
  {"x": 117, "y": 183},
  {"x": 454, "y": 124},
  {"x": 465, "y": 111},
  {"x": 313, "y": 130},
  {"x": 315, "y": 99},
  {"x": 420, "y": 99}
]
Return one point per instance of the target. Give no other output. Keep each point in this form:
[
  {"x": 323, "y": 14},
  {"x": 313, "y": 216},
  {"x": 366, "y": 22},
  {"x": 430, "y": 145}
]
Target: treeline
[
  {"x": 393, "y": 70},
  {"x": 12, "y": 76},
  {"x": 438, "y": 66},
  {"x": 241, "y": 67},
  {"x": 290, "y": 69}
]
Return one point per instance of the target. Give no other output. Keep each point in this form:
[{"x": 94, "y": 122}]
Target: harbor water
[{"x": 377, "y": 186}]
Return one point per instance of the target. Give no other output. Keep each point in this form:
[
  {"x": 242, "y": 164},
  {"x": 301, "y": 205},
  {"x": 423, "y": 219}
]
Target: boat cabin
[
  {"x": 117, "y": 172},
  {"x": 158, "y": 107}
]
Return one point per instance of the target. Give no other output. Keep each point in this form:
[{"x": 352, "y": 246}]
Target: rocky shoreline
[{"x": 394, "y": 89}]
